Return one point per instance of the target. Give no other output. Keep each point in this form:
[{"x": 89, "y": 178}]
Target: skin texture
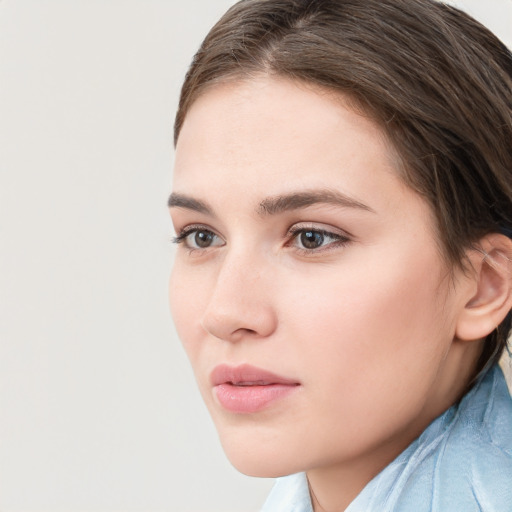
[{"x": 366, "y": 324}]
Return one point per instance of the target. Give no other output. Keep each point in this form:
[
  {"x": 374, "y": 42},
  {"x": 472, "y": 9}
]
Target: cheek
[
  {"x": 364, "y": 330},
  {"x": 186, "y": 301},
  {"x": 367, "y": 344}
]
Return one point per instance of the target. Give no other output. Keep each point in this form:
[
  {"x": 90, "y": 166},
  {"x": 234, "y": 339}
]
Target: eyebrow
[
  {"x": 296, "y": 200},
  {"x": 277, "y": 204},
  {"x": 182, "y": 201}
]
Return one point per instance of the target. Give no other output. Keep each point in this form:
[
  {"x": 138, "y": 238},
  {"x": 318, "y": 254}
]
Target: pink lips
[{"x": 246, "y": 389}]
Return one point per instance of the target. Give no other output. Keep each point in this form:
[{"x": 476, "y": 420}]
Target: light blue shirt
[{"x": 462, "y": 462}]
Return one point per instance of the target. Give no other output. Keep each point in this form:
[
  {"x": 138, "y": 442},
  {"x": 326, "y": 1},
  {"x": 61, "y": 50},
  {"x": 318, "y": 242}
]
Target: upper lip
[{"x": 247, "y": 375}]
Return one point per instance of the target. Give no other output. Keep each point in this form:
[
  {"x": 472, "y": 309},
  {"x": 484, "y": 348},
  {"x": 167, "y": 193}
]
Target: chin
[
  {"x": 258, "y": 467},
  {"x": 259, "y": 459}
]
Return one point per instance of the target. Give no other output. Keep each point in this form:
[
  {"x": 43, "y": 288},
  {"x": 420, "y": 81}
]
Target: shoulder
[{"x": 476, "y": 453}]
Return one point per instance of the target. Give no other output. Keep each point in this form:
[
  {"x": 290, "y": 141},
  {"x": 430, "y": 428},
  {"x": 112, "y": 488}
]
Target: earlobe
[{"x": 489, "y": 290}]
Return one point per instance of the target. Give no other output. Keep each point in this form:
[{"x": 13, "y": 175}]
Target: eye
[
  {"x": 316, "y": 239},
  {"x": 311, "y": 239},
  {"x": 198, "y": 238}
]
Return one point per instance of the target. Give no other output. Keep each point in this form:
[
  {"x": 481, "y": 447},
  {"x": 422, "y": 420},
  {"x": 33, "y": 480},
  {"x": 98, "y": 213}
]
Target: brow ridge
[
  {"x": 276, "y": 204},
  {"x": 297, "y": 200},
  {"x": 177, "y": 200}
]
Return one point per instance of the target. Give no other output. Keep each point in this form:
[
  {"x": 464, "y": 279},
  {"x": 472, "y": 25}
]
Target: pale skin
[{"x": 379, "y": 331}]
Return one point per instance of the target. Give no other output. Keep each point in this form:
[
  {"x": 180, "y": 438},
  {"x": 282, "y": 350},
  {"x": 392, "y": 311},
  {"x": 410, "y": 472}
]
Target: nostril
[
  {"x": 236, "y": 311},
  {"x": 234, "y": 326}
]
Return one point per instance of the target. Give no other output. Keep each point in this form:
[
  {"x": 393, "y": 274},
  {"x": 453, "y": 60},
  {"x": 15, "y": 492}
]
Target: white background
[{"x": 98, "y": 408}]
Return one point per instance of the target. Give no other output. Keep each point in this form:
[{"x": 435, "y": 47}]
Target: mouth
[{"x": 247, "y": 389}]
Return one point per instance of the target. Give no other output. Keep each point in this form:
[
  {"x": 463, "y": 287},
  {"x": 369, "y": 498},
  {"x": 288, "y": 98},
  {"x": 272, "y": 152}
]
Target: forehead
[{"x": 270, "y": 132}]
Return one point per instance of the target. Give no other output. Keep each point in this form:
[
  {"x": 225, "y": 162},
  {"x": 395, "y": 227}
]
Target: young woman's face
[{"x": 308, "y": 287}]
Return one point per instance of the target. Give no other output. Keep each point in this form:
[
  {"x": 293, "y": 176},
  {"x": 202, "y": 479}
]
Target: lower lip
[{"x": 246, "y": 399}]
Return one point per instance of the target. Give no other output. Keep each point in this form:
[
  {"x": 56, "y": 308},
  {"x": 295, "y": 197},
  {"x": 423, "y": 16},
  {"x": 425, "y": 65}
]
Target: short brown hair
[{"x": 436, "y": 80}]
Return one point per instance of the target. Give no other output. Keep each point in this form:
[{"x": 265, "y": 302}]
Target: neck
[{"x": 334, "y": 487}]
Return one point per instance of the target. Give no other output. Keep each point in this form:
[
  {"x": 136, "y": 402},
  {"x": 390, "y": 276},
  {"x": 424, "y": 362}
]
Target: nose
[{"x": 241, "y": 303}]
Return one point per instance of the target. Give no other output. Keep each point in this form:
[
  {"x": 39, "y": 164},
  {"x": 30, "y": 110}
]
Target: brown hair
[{"x": 437, "y": 81}]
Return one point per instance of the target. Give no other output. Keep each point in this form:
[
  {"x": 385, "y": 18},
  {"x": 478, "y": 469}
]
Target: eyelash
[
  {"x": 182, "y": 236},
  {"x": 339, "y": 240}
]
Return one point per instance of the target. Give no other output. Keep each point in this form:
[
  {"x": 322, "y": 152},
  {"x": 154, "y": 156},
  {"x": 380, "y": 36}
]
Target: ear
[{"x": 489, "y": 291}]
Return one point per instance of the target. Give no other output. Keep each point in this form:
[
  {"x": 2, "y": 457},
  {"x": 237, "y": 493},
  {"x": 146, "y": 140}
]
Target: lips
[{"x": 247, "y": 389}]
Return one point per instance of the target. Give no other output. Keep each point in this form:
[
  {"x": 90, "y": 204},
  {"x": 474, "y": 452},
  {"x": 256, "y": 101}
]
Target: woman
[{"x": 342, "y": 198}]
